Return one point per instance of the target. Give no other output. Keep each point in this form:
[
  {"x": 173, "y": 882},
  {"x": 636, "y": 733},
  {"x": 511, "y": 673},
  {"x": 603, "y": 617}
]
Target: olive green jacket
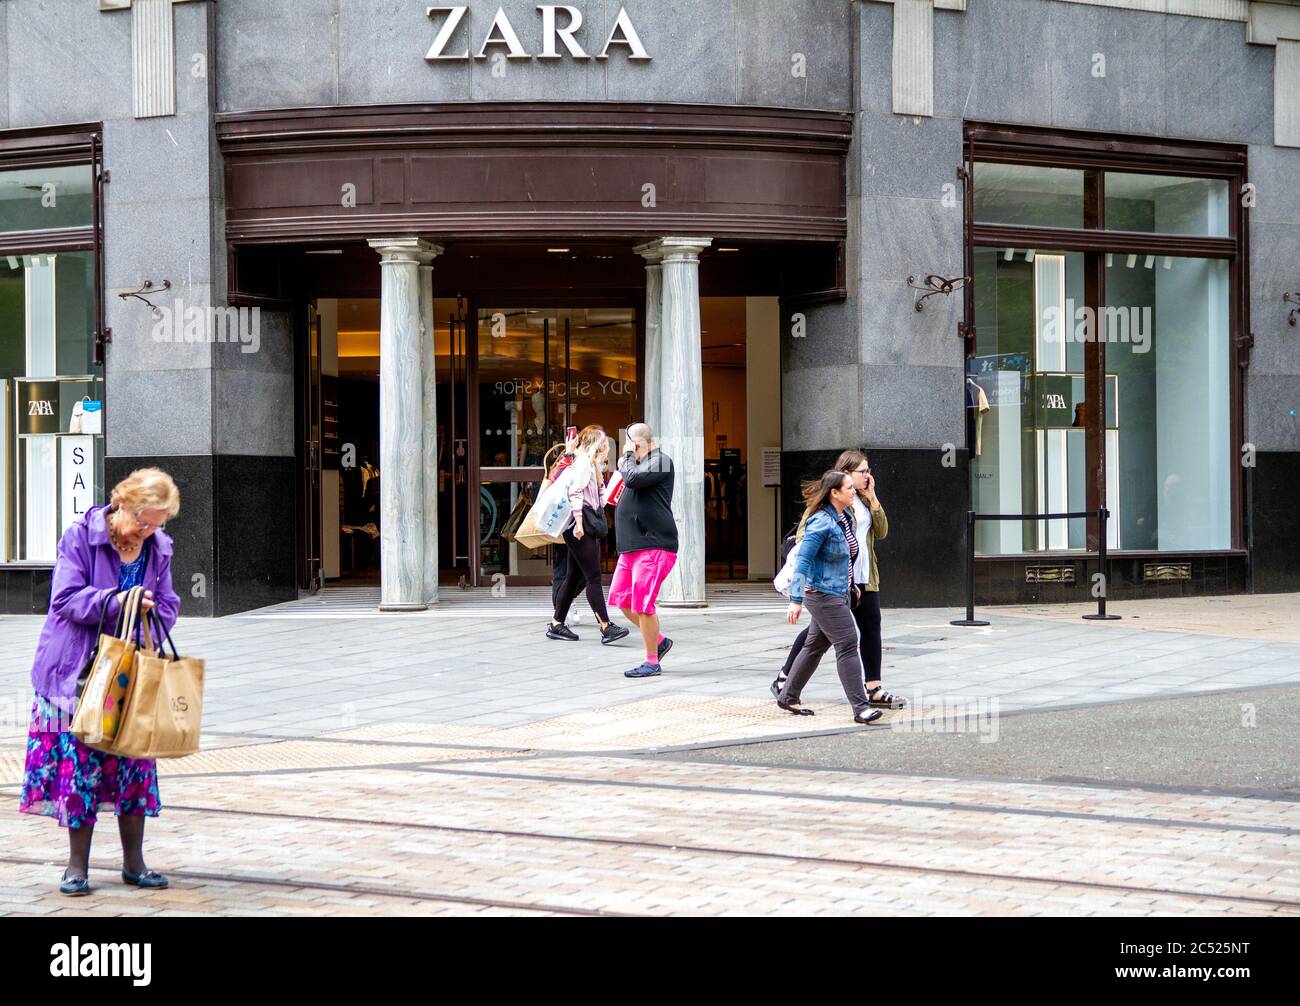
[{"x": 879, "y": 530}]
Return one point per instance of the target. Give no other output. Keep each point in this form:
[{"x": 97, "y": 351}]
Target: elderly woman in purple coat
[{"x": 107, "y": 552}]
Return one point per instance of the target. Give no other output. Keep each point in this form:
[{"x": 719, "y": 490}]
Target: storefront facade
[{"x": 437, "y": 236}]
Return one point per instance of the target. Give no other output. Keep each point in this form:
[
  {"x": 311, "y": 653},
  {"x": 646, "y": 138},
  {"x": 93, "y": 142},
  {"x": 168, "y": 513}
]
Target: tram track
[
  {"x": 762, "y": 855},
  {"x": 363, "y": 891}
]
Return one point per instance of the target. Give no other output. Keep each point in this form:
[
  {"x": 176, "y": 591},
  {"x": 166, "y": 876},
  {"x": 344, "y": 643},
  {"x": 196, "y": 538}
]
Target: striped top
[{"x": 846, "y": 521}]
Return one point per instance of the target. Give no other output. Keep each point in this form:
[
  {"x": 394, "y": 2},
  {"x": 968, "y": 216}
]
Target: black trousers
[
  {"x": 558, "y": 572},
  {"x": 583, "y": 568},
  {"x": 866, "y": 612}
]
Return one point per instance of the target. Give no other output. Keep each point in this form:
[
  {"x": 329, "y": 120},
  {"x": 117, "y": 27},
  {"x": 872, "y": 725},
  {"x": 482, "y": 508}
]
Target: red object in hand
[{"x": 614, "y": 490}]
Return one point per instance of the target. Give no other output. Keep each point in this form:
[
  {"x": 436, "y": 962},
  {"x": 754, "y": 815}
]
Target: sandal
[
  {"x": 881, "y": 699},
  {"x": 870, "y": 716},
  {"x": 795, "y": 708}
]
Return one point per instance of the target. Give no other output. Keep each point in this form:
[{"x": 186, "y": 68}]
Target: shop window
[
  {"x": 1148, "y": 321},
  {"x": 1028, "y": 195},
  {"x": 1166, "y": 204},
  {"x": 34, "y": 199},
  {"x": 51, "y": 401}
]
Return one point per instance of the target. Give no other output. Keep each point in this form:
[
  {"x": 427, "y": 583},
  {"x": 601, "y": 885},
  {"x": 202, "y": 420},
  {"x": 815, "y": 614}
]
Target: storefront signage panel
[{"x": 452, "y": 42}]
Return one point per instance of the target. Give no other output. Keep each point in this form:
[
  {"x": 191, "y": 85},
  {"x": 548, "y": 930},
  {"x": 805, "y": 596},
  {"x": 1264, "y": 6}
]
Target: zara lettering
[
  {"x": 502, "y": 33},
  {"x": 40, "y": 407}
]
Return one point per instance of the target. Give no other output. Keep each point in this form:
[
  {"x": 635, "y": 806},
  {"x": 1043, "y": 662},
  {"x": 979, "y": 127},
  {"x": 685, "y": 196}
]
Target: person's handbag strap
[
  {"x": 163, "y": 634},
  {"x": 103, "y": 614},
  {"x": 128, "y": 622}
]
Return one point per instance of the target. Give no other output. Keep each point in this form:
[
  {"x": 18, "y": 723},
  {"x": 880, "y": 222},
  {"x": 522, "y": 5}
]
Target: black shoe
[
  {"x": 776, "y": 686},
  {"x": 147, "y": 879},
  {"x": 612, "y": 633},
  {"x": 869, "y": 716},
  {"x": 562, "y": 631},
  {"x": 794, "y": 707},
  {"x": 74, "y": 887},
  {"x": 664, "y": 647}
]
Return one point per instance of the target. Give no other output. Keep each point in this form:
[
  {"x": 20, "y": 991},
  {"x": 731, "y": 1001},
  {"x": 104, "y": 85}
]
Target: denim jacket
[{"x": 823, "y": 563}]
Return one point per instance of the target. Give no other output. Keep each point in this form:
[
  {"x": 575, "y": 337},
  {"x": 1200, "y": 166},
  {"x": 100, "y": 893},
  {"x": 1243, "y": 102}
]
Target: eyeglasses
[{"x": 144, "y": 524}]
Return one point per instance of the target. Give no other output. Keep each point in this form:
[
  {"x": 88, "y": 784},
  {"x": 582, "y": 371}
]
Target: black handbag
[
  {"x": 594, "y": 522},
  {"x": 788, "y": 543}
]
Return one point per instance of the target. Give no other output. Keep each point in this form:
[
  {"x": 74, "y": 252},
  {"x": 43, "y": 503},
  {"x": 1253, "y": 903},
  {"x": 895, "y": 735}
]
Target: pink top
[{"x": 588, "y": 494}]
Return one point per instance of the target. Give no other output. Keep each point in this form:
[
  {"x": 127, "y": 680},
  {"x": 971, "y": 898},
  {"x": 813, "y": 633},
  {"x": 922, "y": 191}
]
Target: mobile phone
[{"x": 570, "y": 432}]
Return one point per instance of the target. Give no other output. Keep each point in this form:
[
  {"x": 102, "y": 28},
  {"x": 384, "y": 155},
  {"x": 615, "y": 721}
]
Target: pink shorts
[{"x": 638, "y": 577}]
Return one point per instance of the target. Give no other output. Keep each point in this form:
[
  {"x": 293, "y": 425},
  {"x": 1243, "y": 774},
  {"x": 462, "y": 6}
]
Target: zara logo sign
[
  {"x": 40, "y": 407},
  {"x": 502, "y": 34}
]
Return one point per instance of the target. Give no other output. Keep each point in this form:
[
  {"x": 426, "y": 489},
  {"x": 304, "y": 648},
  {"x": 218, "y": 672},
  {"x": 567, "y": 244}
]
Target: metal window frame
[{"x": 1096, "y": 153}]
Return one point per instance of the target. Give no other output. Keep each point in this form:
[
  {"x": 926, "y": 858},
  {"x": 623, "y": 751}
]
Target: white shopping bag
[
  {"x": 785, "y": 578},
  {"x": 87, "y": 417}
]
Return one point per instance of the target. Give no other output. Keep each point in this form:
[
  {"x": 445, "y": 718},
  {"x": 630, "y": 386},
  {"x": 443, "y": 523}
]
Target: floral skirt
[{"x": 66, "y": 780}]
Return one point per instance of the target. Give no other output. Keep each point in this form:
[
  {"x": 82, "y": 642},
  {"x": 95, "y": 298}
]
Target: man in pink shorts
[{"x": 647, "y": 541}]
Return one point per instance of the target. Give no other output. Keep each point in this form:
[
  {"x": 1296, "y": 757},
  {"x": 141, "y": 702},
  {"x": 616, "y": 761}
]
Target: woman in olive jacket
[{"x": 872, "y": 526}]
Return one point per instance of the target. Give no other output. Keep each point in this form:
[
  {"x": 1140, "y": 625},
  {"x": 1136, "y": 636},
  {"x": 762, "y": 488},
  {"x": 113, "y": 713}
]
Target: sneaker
[
  {"x": 664, "y": 647},
  {"x": 574, "y": 617},
  {"x": 646, "y": 670},
  {"x": 560, "y": 631},
  {"x": 612, "y": 633}
]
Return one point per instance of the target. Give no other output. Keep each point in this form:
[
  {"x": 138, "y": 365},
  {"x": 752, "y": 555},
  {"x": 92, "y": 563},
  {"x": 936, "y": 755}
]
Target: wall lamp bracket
[
  {"x": 1292, "y": 298},
  {"x": 936, "y": 284},
  {"x": 148, "y": 288}
]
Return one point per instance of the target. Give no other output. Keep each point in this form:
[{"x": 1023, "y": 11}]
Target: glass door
[{"x": 539, "y": 370}]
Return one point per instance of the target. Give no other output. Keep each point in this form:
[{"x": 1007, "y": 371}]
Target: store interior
[{"x": 522, "y": 409}]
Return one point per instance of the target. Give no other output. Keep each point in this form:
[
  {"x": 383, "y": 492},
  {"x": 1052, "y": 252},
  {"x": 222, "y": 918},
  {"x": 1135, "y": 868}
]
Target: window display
[
  {"x": 1152, "y": 327},
  {"x": 52, "y": 402}
]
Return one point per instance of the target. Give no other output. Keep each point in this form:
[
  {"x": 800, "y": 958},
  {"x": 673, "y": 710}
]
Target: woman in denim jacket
[{"x": 823, "y": 580}]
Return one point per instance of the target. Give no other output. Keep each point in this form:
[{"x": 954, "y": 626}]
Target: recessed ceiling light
[
  {"x": 728, "y": 249},
  {"x": 555, "y": 251},
  {"x": 325, "y": 251}
]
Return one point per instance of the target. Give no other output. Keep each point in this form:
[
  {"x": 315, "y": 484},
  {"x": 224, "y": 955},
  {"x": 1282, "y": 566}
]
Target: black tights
[
  {"x": 866, "y": 612},
  {"x": 130, "y": 828},
  {"x": 584, "y": 567}
]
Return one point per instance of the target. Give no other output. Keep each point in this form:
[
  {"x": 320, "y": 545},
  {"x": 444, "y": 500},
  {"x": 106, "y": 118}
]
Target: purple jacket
[{"x": 84, "y": 575}]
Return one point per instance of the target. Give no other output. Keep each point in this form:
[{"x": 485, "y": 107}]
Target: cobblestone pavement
[{"x": 461, "y": 763}]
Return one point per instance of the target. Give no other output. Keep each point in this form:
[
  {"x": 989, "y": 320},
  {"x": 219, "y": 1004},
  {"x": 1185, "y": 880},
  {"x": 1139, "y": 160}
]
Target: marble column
[
  {"x": 429, "y": 407},
  {"x": 652, "y": 386},
  {"x": 679, "y": 429},
  {"x": 401, "y": 424}
]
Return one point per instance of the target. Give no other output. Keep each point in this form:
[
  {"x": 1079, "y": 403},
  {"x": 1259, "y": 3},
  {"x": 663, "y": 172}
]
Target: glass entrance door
[{"x": 538, "y": 371}]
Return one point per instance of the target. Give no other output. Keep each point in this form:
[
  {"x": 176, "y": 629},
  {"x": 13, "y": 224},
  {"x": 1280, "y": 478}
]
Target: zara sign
[{"x": 502, "y": 34}]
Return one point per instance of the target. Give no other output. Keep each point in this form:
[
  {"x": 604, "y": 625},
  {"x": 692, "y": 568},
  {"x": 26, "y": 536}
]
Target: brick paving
[{"x": 420, "y": 767}]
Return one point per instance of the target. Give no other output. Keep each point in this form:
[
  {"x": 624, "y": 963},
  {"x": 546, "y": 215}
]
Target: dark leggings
[
  {"x": 584, "y": 567},
  {"x": 558, "y": 572},
  {"x": 867, "y": 614}
]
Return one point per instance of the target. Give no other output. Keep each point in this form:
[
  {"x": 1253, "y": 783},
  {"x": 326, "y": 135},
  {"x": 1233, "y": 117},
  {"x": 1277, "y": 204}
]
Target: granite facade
[{"x": 867, "y": 370}]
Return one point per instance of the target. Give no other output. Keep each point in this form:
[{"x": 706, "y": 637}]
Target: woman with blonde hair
[
  {"x": 583, "y": 539},
  {"x": 103, "y": 555}
]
